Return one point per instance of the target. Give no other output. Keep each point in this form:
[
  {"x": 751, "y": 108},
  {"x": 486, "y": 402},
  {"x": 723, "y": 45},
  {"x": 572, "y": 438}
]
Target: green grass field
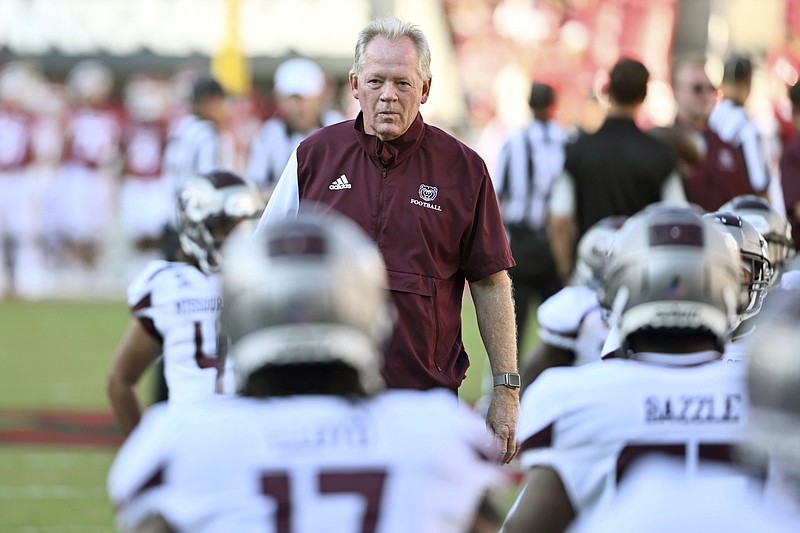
[{"x": 55, "y": 356}]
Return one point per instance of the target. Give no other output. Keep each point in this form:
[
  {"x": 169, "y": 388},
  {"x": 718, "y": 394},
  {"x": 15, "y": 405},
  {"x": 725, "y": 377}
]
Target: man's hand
[{"x": 501, "y": 419}]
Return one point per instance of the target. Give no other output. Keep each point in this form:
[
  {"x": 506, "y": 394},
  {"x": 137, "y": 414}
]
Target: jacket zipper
[
  {"x": 436, "y": 325},
  {"x": 381, "y": 211}
]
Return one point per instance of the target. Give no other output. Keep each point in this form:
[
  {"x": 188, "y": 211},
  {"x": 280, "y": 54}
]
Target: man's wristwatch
[{"x": 509, "y": 379}]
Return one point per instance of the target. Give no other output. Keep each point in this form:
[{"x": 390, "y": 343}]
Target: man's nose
[{"x": 389, "y": 91}]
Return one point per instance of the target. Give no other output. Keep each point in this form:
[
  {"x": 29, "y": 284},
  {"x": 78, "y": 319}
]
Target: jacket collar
[{"x": 392, "y": 153}]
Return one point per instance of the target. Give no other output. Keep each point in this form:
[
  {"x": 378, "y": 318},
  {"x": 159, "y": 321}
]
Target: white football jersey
[
  {"x": 657, "y": 498},
  {"x": 181, "y": 305},
  {"x": 590, "y": 423},
  {"x": 573, "y": 319},
  {"x": 402, "y": 461}
]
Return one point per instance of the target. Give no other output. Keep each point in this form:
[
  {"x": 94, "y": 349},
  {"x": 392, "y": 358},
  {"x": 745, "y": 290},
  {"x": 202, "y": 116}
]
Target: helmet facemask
[
  {"x": 755, "y": 265},
  {"x": 772, "y": 225}
]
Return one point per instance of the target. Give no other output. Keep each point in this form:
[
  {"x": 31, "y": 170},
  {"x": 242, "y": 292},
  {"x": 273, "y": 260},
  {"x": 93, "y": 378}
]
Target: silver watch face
[{"x": 509, "y": 379}]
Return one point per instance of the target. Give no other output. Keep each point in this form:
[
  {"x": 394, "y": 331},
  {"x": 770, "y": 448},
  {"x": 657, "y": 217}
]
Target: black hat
[
  {"x": 206, "y": 87},
  {"x": 542, "y": 96},
  {"x": 738, "y": 69}
]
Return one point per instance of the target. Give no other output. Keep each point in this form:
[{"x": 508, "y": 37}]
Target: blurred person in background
[
  {"x": 194, "y": 145},
  {"x": 689, "y": 136},
  {"x": 85, "y": 192},
  {"x": 743, "y": 169},
  {"x": 51, "y": 115},
  {"x": 573, "y": 324},
  {"x": 176, "y": 304},
  {"x": 428, "y": 201},
  {"x": 312, "y": 442},
  {"x": 616, "y": 171},
  {"x": 299, "y": 89},
  {"x": 21, "y": 213},
  {"x": 790, "y": 168},
  {"x": 146, "y": 205},
  {"x": 530, "y": 161}
]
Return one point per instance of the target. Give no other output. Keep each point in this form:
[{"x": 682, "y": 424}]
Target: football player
[
  {"x": 146, "y": 101},
  {"x": 84, "y": 192},
  {"x": 176, "y": 305},
  {"x": 672, "y": 282},
  {"x": 776, "y": 229},
  {"x": 773, "y": 382},
  {"x": 773, "y": 429},
  {"x": 756, "y": 277},
  {"x": 21, "y": 255},
  {"x": 312, "y": 443},
  {"x": 572, "y": 323}
]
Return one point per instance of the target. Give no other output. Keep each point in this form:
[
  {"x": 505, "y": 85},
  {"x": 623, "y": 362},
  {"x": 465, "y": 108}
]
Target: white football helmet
[
  {"x": 593, "y": 250},
  {"x": 773, "y": 381},
  {"x": 757, "y": 272},
  {"x": 310, "y": 290},
  {"x": 209, "y": 207},
  {"x": 668, "y": 268},
  {"x": 772, "y": 225}
]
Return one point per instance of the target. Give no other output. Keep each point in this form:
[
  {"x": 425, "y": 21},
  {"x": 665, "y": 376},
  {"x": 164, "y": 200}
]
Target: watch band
[{"x": 508, "y": 379}]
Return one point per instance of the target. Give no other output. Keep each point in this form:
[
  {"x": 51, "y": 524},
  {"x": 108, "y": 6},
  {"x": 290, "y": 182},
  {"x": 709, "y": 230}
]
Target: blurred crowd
[
  {"x": 85, "y": 194},
  {"x": 86, "y": 198}
]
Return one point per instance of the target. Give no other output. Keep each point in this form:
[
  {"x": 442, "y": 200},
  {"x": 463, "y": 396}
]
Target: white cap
[{"x": 301, "y": 77}]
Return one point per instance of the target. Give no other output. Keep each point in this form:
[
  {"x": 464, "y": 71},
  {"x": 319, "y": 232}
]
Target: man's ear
[
  {"x": 354, "y": 86},
  {"x": 426, "y": 91}
]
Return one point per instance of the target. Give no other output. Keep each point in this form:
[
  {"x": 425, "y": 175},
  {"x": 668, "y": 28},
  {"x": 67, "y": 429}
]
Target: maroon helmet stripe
[{"x": 676, "y": 234}]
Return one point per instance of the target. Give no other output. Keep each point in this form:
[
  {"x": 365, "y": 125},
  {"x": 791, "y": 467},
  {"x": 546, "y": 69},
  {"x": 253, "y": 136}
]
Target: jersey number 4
[{"x": 367, "y": 483}]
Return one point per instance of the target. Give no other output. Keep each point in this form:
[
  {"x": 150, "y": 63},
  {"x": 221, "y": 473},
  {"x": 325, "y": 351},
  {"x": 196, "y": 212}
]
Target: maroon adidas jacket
[{"x": 428, "y": 202}]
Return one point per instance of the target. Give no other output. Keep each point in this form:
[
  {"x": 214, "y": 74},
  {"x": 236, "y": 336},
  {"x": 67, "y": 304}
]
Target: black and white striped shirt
[
  {"x": 529, "y": 163},
  {"x": 193, "y": 147}
]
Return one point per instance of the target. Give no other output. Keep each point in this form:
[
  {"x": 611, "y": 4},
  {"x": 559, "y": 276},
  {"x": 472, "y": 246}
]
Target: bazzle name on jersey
[
  {"x": 696, "y": 408},
  {"x": 427, "y": 205},
  {"x": 199, "y": 305}
]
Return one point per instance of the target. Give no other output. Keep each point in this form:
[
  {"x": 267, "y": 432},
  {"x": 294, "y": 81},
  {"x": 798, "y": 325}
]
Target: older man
[{"x": 428, "y": 202}]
